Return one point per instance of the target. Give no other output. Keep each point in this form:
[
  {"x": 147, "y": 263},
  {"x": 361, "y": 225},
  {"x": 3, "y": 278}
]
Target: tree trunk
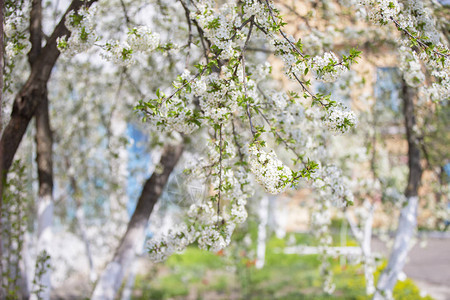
[
  {"x": 44, "y": 143},
  {"x": 131, "y": 278},
  {"x": 118, "y": 163},
  {"x": 408, "y": 216},
  {"x": 79, "y": 214},
  {"x": 262, "y": 232},
  {"x": 364, "y": 237},
  {"x": 2, "y": 293},
  {"x": 111, "y": 278},
  {"x": 369, "y": 261}
]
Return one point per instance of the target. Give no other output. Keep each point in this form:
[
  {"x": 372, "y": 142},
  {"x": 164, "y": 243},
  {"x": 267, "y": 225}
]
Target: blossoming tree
[{"x": 219, "y": 101}]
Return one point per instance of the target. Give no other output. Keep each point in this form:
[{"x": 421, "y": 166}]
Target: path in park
[{"x": 428, "y": 266}]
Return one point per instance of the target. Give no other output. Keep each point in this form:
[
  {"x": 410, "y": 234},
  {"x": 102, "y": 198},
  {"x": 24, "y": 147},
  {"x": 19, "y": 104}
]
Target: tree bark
[
  {"x": 2, "y": 294},
  {"x": 44, "y": 143},
  {"x": 112, "y": 277},
  {"x": 44, "y": 152},
  {"x": 408, "y": 216}
]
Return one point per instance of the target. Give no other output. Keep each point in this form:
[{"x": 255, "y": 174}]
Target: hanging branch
[
  {"x": 188, "y": 20},
  {"x": 125, "y": 13},
  {"x": 417, "y": 40},
  {"x": 235, "y": 135},
  {"x": 242, "y": 58},
  {"x": 220, "y": 173}
]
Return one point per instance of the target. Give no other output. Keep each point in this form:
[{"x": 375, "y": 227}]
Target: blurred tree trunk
[
  {"x": 2, "y": 294},
  {"x": 363, "y": 236},
  {"x": 44, "y": 152},
  {"x": 262, "y": 231},
  {"x": 112, "y": 277},
  {"x": 407, "y": 224},
  {"x": 44, "y": 143},
  {"x": 81, "y": 220}
]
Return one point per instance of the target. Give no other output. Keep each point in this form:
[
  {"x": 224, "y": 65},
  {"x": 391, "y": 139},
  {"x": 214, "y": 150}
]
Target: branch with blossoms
[
  {"x": 416, "y": 40},
  {"x": 223, "y": 91},
  {"x": 412, "y": 21}
]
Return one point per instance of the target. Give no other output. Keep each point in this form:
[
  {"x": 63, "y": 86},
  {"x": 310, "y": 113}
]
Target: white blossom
[
  {"x": 327, "y": 68},
  {"x": 269, "y": 171},
  {"x": 83, "y": 35},
  {"x": 143, "y": 39},
  {"x": 339, "y": 119}
]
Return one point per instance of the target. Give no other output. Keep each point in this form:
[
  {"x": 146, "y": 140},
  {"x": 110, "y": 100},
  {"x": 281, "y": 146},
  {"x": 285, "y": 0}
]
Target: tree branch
[{"x": 36, "y": 33}]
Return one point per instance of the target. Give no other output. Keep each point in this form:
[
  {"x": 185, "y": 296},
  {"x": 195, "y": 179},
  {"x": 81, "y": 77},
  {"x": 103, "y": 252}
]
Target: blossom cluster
[
  {"x": 211, "y": 230},
  {"x": 218, "y": 26},
  {"x": 416, "y": 23},
  {"x": 82, "y": 25},
  {"x": 83, "y": 36},
  {"x": 439, "y": 90},
  {"x": 174, "y": 241},
  {"x": 339, "y": 119},
  {"x": 269, "y": 171},
  {"x": 259, "y": 11},
  {"x": 415, "y": 16},
  {"x": 327, "y": 68},
  {"x": 139, "y": 40},
  {"x": 381, "y": 11},
  {"x": 414, "y": 74},
  {"x": 220, "y": 99},
  {"x": 16, "y": 33},
  {"x": 142, "y": 39},
  {"x": 174, "y": 115}
]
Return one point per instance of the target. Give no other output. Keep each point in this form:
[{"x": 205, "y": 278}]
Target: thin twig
[
  {"x": 220, "y": 172},
  {"x": 241, "y": 156},
  {"x": 135, "y": 86},
  {"x": 305, "y": 89},
  {"x": 245, "y": 77},
  {"x": 125, "y": 13},
  {"x": 418, "y": 40},
  {"x": 292, "y": 9},
  {"x": 275, "y": 131},
  {"x": 183, "y": 86},
  {"x": 282, "y": 32},
  {"x": 188, "y": 19}
]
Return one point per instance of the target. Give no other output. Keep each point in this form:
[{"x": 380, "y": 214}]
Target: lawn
[{"x": 231, "y": 274}]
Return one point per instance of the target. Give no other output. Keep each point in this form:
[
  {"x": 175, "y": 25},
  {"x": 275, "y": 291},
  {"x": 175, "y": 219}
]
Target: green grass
[{"x": 208, "y": 275}]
